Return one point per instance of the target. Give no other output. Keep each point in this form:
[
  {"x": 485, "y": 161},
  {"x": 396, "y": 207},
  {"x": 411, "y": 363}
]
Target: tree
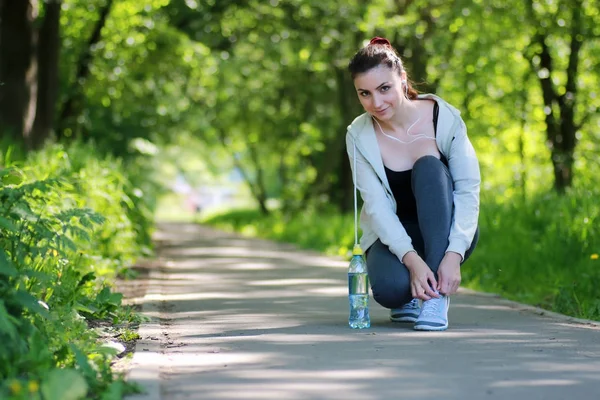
[
  {"x": 73, "y": 105},
  {"x": 48, "y": 58},
  {"x": 566, "y": 25},
  {"x": 18, "y": 67},
  {"x": 28, "y": 69}
]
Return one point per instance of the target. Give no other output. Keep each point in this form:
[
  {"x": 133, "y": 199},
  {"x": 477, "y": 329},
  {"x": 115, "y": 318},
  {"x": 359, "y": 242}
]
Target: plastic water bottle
[{"x": 358, "y": 291}]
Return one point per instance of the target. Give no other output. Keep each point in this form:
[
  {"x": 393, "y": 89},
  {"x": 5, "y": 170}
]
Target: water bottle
[{"x": 358, "y": 291}]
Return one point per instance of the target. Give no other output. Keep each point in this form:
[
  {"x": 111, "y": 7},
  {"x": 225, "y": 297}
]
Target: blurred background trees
[{"x": 261, "y": 86}]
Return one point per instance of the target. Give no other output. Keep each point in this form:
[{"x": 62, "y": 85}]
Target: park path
[{"x": 238, "y": 318}]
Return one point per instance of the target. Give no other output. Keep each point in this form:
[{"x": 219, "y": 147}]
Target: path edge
[
  {"x": 145, "y": 369},
  {"x": 529, "y": 308}
]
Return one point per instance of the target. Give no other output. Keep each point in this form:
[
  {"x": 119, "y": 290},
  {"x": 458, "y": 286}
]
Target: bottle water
[{"x": 358, "y": 291}]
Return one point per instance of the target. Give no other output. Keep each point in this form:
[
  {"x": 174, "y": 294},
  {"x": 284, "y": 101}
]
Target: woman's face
[{"x": 379, "y": 91}]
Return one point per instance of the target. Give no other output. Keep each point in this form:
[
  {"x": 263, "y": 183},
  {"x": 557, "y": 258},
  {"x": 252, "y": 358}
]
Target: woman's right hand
[{"x": 422, "y": 279}]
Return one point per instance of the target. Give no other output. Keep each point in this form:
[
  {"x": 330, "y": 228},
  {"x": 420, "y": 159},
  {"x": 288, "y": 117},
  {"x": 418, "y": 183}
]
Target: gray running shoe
[
  {"x": 434, "y": 316},
  {"x": 407, "y": 313}
]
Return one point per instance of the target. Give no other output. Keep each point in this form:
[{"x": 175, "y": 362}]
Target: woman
[{"x": 419, "y": 179}]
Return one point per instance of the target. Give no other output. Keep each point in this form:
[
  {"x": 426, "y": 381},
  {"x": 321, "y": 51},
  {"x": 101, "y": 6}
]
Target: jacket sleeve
[
  {"x": 380, "y": 215},
  {"x": 464, "y": 168}
]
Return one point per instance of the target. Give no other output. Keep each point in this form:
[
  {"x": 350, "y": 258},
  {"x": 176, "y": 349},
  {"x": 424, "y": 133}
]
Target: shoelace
[
  {"x": 414, "y": 304},
  {"x": 432, "y": 307}
]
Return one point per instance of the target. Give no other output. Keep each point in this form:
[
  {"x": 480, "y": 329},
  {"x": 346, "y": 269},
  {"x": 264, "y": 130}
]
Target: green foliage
[
  {"x": 58, "y": 257},
  {"x": 64, "y": 384},
  {"x": 264, "y": 84},
  {"x": 276, "y": 95},
  {"x": 127, "y": 335},
  {"x": 142, "y": 81}
]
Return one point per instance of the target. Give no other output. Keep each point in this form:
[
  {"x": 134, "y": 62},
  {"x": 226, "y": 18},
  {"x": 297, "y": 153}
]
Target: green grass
[
  {"x": 542, "y": 251},
  {"x": 331, "y": 232}
]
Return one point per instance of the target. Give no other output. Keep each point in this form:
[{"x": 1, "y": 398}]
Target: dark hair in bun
[{"x": 378, "y": 52}]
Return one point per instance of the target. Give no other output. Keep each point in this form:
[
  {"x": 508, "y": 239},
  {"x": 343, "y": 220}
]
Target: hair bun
[{"x": 380, "y": 40}]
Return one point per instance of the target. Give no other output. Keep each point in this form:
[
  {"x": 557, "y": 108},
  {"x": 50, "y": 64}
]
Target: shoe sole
[
  {"x": 403, "y": 319},
  {"x": 430, "y": 328}
]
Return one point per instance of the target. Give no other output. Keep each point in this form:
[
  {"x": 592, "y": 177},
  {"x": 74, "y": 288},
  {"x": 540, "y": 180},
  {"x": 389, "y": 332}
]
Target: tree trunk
[
  {"x": 567, "y": 139},
  {"x": 334, "y": 174},
  {"x": 260, "y": 191},
  {"x": 561, "y": 130},
  {"x": 48, "y": 57},
  {"x": 341, "y": 188},
  {"x": 330, "y": 161},
  {"x": 1, "y": 12},
  {"x": 74, "y": 103},
  {"x": 342, "y": 193},
  {"x": 257, "y": 186},
  {"x": 416, "y": 61},
  {"x": 18, "y": 67},
  {"x": 256, "y": 189}
]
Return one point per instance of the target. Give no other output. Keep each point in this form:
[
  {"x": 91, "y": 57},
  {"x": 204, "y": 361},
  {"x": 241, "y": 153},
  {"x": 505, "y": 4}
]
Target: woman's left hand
[{"x": 449, "y": 274}]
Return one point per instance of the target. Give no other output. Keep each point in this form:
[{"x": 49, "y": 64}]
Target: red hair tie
[{"x": 380, "y": 40}]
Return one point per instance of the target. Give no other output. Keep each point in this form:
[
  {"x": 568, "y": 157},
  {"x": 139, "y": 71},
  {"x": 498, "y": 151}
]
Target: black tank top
[{"x": 401, "y": 185}]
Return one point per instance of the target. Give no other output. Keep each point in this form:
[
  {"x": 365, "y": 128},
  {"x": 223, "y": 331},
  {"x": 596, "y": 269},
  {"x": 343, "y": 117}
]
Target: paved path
[{"x": 236, "y": 318}]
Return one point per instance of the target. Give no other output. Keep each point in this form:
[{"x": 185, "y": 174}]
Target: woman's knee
[
  {"x": 390, "y": 280},
  {"x": 428, "y": 162},
  {"x": 391, "y": 295},
  {"x": 430, "y": 173}
]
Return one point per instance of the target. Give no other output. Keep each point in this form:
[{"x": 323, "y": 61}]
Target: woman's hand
[
  {"x": 422, "y": 279},
  {"x": 449, "y": 273}
]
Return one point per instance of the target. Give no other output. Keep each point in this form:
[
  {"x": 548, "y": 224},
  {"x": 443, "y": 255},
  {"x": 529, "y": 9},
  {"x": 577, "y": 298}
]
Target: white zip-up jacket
[{"x": 378, "y": 218}]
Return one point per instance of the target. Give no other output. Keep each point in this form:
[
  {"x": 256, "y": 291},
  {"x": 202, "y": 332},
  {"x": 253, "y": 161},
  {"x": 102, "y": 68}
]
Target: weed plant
[{"x": 70, "y": 222}]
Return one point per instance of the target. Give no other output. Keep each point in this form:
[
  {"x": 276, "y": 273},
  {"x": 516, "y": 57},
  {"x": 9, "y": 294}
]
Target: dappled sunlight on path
[{"x": 238, "y": 318}]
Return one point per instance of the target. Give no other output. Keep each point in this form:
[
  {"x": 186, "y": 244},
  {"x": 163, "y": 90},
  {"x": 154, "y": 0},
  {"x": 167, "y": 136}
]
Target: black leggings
[{"x": 433, "y": 190}]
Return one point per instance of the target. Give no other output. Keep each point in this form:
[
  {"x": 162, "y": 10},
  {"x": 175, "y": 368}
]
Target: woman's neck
[{"x": 406, "y": 115}]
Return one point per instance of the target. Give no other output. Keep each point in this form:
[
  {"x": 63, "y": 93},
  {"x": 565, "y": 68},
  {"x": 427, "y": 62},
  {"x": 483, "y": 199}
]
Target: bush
[{"x": 70, "y": 221}]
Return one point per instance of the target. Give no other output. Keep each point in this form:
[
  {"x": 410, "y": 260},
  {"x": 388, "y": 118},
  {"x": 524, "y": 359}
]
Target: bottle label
[{"x": 358, "y": 283}]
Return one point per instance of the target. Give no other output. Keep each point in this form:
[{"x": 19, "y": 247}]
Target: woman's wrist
[
  {"x": 454, "y": 256},
  {"x": 410, "y": 258}
]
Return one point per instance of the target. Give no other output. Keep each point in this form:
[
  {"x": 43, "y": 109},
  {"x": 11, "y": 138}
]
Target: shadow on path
[{"x": 251, "y": 319}]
